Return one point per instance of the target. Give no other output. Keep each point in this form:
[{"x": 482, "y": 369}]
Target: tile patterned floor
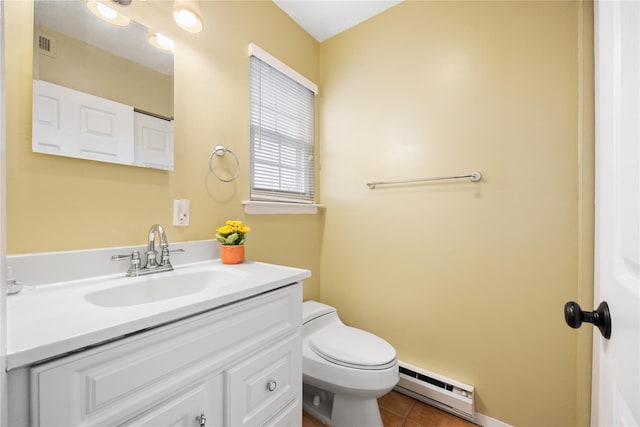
[{"x": 398, "y": 410}]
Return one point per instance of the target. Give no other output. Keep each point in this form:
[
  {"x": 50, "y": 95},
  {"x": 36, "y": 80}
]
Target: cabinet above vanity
[{"x": 71, "y": 123}]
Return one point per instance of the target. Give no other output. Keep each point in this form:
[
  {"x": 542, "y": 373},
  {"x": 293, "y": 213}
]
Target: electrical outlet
[{"x": 181, "y": 212}]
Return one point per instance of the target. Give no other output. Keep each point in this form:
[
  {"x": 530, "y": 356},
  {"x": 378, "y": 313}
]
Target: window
[{"x": 282, "y": 120}]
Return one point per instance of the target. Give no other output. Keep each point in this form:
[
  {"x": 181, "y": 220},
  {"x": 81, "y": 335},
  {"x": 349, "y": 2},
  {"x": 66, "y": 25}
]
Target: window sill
[{"x": 273, "y": 208}]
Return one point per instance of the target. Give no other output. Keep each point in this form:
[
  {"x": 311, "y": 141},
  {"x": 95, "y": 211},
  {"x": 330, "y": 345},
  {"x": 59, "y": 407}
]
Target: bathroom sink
[{"x": 162, "y": 286}]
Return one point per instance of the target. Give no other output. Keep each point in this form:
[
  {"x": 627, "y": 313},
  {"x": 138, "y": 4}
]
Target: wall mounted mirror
[{"x": 101, "y": 91}]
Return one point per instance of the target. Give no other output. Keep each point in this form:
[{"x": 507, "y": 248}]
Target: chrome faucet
[
  {"x": 152, "y": 265},
  {"x": 152, "y": 254}
]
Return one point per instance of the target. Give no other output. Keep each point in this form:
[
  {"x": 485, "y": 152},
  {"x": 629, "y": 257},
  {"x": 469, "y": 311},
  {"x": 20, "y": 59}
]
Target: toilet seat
[{"x": 353, "y": 348}]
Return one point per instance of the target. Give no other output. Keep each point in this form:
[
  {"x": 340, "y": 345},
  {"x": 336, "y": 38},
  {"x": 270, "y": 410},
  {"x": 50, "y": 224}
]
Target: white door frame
[{"x": 3, "y": 210}]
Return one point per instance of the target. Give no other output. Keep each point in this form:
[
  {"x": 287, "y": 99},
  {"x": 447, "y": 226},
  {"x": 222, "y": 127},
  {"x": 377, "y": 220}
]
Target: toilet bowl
[{"x": 344, "y": 369}]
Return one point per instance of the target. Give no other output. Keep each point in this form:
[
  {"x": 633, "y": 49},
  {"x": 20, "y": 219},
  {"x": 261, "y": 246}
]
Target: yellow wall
[
  {"x": 466, "y": 280},
  {"x": 84, "y": 67},
  {"x": 56, "y": 203}
]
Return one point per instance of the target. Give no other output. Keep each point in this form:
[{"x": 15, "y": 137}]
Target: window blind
[{"x": 282, "y": 121}]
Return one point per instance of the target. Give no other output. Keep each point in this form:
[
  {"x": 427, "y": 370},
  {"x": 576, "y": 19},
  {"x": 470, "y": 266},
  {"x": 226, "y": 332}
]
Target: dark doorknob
[{"x": 574, "y": 316}]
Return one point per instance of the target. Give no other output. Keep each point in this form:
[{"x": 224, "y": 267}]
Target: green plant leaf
[
  {"x": 241, "y": 242},
  {"x": 231, "y": 239}
]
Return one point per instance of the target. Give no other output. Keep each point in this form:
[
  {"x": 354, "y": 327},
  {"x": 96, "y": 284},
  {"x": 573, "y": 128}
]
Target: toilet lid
[{"x": 351, "y": 347}]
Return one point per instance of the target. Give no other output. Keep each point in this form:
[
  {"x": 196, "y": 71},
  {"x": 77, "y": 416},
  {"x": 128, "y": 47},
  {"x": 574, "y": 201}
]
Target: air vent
[
  {"x": 47, "y": 45},
  {"x": 433, "y": 389}
]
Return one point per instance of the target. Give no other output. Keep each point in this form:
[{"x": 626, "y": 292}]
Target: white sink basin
[{"x": 162, "y": 286}]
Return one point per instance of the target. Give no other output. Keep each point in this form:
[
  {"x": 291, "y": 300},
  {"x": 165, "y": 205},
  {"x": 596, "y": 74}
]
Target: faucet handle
[
  {"x": 134, "y": 267},
  {"x": 165, "y": 255},
  {"x": 135, "y": 255}
]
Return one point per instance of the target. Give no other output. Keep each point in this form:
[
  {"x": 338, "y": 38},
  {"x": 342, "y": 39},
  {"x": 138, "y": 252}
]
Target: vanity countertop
[{"x": 45, "y": 321}]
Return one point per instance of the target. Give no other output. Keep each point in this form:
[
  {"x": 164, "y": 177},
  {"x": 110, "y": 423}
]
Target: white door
[{"x": 616, "y": 364}]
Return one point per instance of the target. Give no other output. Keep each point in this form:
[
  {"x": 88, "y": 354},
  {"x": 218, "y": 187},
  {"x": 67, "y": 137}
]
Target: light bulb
[
  {"x": 186, "y": 18},
  {"x": 164, "y": 41},
  {"x": 188, "y": 15},
  {"x": 106, "y": 11},
  {"x": 107, "y": 14},
  {"x": 161, "y": 41}
]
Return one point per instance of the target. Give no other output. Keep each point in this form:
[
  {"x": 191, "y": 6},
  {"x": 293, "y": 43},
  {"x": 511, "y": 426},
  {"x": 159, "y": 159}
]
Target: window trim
[
  {"x": 258, "y": 207},
  {"x": 265, "y": 56},
  {"x": 275, "y": 206}
]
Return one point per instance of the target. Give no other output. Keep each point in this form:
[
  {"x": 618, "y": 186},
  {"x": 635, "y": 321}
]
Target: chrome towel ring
[{"x": 221, "y": 151}]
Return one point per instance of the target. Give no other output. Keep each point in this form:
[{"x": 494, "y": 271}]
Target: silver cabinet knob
[
  {"x": 202, "y": 420},
  {"x": 272, "y": 385}
]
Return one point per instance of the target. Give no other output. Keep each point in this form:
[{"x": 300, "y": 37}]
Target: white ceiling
[{"x": 324, "y": 19}]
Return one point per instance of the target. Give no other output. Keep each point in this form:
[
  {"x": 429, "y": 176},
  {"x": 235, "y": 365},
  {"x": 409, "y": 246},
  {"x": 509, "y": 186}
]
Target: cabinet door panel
[
  {"x": 47, "y": 135},
  {"x": 76, "y": 124},
  {"x": 200, "y": 399},
  {"x": 153, "y": 141},
  {"x": 290, "y": 416},
  {"x": 53, "y": 121},
  {"x": 270, "y": 379}
]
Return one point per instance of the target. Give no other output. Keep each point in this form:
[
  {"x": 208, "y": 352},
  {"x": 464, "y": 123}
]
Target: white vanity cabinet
[{"x": 238, "y": 365}]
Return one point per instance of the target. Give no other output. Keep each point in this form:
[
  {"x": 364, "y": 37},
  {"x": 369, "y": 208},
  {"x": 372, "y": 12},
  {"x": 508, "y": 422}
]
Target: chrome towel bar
[{"x": 474, "y": 176}]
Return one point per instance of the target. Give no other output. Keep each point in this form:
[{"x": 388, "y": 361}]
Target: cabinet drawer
[
  {"x": 203, "y": 398},
  {"x": 271, "y": 379},
  {"x": 118, "y": 380},
  {"x": 290, "y": 416}
]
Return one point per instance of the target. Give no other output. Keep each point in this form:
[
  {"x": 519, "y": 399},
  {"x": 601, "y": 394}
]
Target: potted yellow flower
[{"x": 232, "y": 236}]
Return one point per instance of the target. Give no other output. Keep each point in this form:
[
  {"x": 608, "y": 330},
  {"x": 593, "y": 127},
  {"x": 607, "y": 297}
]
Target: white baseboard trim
[{"x": 486, "y": 421}]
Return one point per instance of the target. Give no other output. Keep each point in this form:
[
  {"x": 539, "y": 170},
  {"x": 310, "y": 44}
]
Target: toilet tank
[{"x": 312, "y": 310}]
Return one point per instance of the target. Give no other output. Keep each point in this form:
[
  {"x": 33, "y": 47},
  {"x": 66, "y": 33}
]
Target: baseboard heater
[{"x": 436, "y": 390}]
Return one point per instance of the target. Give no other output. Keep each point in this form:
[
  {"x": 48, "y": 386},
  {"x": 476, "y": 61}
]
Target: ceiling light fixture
[
  {"x": 188, "y": 15},
  {"x": 107, "y": 14},
  {"x": 161, "y": 41}
]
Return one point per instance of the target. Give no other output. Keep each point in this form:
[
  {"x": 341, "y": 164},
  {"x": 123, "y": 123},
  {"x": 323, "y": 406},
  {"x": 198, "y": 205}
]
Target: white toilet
[{"x": 344, "y": 369}]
